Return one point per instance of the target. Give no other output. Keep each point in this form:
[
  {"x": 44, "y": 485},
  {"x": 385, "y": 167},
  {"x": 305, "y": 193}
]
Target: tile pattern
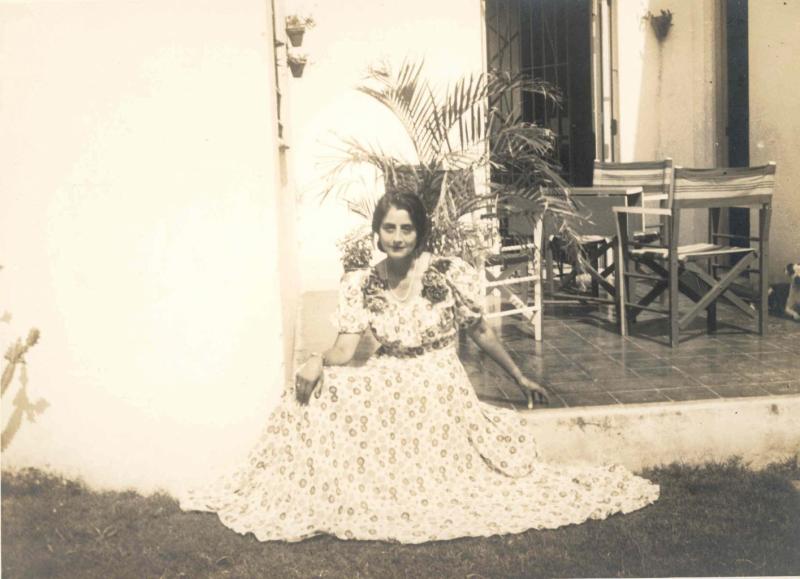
[{"x": 584, "y": 361}]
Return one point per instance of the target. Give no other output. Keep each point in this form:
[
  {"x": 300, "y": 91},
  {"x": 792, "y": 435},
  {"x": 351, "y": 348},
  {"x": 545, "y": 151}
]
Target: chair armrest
[
  {"x": 643, "y": 210},
  {"x": 512, "y": 248}
]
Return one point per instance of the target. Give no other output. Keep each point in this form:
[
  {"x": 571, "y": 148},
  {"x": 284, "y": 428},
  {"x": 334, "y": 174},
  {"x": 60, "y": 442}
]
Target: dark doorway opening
[
  {"x": 551, "y": 40},
  {"x": 738, "y": 123}
]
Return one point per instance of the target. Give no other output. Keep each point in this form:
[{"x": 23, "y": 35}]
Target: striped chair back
[
  {"x": 724, "y": 187},
  {"x": 654, "y": 177}
]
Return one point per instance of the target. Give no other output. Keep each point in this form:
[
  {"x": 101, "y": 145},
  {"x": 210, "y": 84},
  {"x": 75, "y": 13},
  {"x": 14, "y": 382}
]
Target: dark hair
[{"x": 407, "y": 202}]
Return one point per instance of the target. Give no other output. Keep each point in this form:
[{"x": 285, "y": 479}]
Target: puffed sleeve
[
  {"x": 351, "y": 314},
  {"x": 467, "y": 292}
]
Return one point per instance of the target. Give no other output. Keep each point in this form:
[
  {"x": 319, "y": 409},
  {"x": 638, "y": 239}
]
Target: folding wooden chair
[
  {"x": 653, "y": 178},
  {"x": 513, "y": 269},
  {"x": 670, "y": 268}
]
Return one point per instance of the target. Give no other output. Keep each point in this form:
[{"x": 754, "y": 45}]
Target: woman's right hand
[
  {"x": 535, "y": 393},
  {"x": 307, "y": 377}
]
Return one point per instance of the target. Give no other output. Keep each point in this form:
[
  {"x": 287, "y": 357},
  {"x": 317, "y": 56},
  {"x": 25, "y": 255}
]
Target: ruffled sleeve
[
  {"x": 467, "y": 291},
  {"x": 351, "y": 315}
]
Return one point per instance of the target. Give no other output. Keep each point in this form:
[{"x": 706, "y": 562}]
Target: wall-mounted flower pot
[
  {"x": 297, "y": 66},
  {"x": 295, "y": 35},
  {"x": 661, "y": 23},
  {"x": 296, "y": 26}
]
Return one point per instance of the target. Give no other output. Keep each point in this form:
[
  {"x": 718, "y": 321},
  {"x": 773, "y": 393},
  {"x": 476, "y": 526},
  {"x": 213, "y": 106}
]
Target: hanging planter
[
  {"x": 660, "y": 24},
  {"x": 297, "y": 62},
  {"x": 296, "y": 27}
]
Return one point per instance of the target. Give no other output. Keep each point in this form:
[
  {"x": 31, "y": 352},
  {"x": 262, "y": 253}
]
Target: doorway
[
  {"x": 738, "y": 103},
  {"x": 550, "y": 40}
]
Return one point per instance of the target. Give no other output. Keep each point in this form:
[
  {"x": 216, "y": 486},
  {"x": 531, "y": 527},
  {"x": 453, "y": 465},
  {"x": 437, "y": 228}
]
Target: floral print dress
[{"x": 401, "y": 449}]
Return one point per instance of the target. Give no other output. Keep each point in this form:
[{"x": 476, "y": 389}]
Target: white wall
[
  {"x": 668, "y": 98},
  {"x": 348, "y": 37},
  {"x": 667, "y": 90},
  {"x": 774, "y": 60},
  {"x": 138, "y": 233}
]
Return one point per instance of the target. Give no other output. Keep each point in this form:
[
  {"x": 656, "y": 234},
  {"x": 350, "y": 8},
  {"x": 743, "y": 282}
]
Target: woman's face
[{"x": 397, "y": 234}]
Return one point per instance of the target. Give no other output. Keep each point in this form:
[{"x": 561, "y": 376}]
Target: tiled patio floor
[{"x": 584, "y": 361}]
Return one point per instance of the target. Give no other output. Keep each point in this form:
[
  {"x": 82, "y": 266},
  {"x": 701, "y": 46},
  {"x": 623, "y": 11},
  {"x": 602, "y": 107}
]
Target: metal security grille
[{"x": 551, "y": 40}]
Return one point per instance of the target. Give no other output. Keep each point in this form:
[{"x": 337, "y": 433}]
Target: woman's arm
[
  {"x": 310, "y": 373},
  {"x": 342, "y": 351},
  {"x": 483, "y": 335}
]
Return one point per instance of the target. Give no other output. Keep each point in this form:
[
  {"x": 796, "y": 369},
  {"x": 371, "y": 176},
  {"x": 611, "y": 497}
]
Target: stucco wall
[
  {"x": 138, "y": 232},
  {"x": 774, "y": 54},
  {"x": 667, "y": 90},
  {"x": 348, "y": 38},
  {"x": 668, "y": 93}
]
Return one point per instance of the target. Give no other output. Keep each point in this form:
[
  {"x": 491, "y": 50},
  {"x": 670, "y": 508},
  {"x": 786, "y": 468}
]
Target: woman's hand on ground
[
  {"x": 307, "y": 377},
  {"x": 535, "y": 393}
]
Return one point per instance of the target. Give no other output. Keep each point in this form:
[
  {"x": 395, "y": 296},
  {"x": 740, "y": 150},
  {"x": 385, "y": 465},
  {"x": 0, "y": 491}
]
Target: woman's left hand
[
  {"x": 308, "y": 377},
  {"x": 535, "y": 393}
]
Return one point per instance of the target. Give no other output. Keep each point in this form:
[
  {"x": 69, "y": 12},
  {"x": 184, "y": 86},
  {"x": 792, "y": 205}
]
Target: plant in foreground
[{"x": 469, "y": 132}]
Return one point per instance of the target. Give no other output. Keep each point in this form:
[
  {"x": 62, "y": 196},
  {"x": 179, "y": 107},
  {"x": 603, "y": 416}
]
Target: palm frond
[
  {"x": 353, "y": 154},
  {"x": 472, "y": 125},
  {"x": 410, "y": 99},
  {"x": 363, "y": 206}
]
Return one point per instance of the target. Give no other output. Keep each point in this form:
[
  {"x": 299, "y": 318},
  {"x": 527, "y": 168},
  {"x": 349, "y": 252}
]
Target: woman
[{"x": 400, "y": 448}]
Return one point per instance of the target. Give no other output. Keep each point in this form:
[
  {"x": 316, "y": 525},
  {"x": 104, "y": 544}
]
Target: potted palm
[
  {"x": 469, "y": 129},
  {"x": 296, "y": 27}
]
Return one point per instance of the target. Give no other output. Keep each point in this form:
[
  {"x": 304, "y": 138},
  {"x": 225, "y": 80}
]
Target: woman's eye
[{"x": 408, "y": 229}]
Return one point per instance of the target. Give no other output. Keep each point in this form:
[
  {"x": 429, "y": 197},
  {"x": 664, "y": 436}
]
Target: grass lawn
[{"x": 719, "y": 519}]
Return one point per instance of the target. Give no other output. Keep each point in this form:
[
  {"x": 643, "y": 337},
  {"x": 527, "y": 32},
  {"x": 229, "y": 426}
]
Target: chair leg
[
  {"x": 622, "y": 288},
  {"x": 537, "y": 323},
  {"x": 674, "y": 330},
  {"x": 536, "y": 288},
  {"x": 595, "y": 261},
  {"x": 764, "y": 215},
  {"x": 549, "y": 258},
  {"x": 536, "y": 267},
  {"x": 714, "y": 216},
  {"x": 711, "y": 318}
]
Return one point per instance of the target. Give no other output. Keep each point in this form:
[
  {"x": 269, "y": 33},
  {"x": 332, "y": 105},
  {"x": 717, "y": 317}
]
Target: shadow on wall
[
  {"x": 655, "y": 92},
  {"x": 23, "y": 407},
  {"x": 676, "y": 100}
]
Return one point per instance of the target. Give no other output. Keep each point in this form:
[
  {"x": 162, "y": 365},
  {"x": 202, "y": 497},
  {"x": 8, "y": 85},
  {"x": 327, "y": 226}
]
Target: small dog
[{"x": 784, "y": 298}]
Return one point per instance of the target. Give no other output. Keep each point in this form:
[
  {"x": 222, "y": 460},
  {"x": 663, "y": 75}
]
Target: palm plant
[{"x": 469, "y": 127}]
